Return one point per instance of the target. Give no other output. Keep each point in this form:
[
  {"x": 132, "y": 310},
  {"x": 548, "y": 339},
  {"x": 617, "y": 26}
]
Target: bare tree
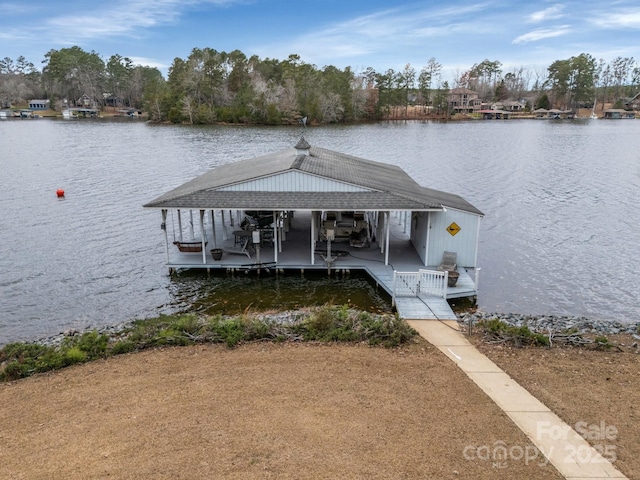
[
  {"x": 188, "y": 108},
  {"x": 605, "y": 80},
  {"x": 406, "y": 82},
  {"x": 331, "y": 107},
  {"x": 359, "y": 97},
  {"x": 429, "y": 74},
  {"x": 621, "y": 68},
  {"x": 517, "y": 82}
]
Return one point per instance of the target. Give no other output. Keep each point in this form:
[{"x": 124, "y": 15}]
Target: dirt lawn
[
  {"x": 597, "y": 390},
  {"x": 258, "y": 411},
  {"x": 301, "y": 411}
]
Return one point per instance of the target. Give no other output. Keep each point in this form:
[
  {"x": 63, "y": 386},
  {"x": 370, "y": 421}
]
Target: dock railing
[
  {"x": 434, "y": 283},
  {"x": 422, "y": 282}
]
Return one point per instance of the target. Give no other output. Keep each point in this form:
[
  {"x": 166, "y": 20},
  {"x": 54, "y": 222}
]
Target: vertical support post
[
  {"x": 213, "y": 229},
  {"x": 276, "y": 237},
  {"x": 203, "y": 239},
  {"x": 284, "y": 226},
  {"x": 179, "y": 225},
  {"x": 373, "y": 218},
  {"x": 313, "y": 237},
  {"x": 475, "y": 256},
  {"x": 166, "y": 238},
  {"x": 255, "y": 237},
  {"x": 224, "y": 228},
  {"x": 380, "y": 230},
  {"x": 329, "y": 256},
  {"x": 386, "y": 240},
  {"x": 427, "y": 246},
  {"x": 393, "y": 293},
  {"x": 193, "y": 235},
  {"x": 445, "y": 284},
  {"x": 280, "y": 232}
]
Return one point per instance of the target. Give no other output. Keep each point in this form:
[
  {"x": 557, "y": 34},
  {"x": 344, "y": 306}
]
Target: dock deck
[{"x": 296, "y": 255}]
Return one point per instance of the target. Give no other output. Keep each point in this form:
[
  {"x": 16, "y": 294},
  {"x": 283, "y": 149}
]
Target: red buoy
[{"x": 60, "y": 193}]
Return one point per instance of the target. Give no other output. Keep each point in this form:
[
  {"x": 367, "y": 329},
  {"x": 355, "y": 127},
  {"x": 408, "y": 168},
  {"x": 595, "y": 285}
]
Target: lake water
[{"x": 560, "y": 235}]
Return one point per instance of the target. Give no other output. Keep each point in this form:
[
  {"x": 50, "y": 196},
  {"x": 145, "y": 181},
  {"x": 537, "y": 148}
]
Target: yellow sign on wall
[{"x": 453, "y": 229}]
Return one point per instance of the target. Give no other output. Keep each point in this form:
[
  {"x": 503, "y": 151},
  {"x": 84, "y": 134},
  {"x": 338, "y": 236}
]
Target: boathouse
[
  {"x": 494, "y": 114},
  {"x": 618, "y": 113},
  {"x": 312, "y": 208}
]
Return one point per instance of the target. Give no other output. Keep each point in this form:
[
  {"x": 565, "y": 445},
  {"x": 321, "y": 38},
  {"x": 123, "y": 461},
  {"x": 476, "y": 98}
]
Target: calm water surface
[{"x": 560, "y": 235}]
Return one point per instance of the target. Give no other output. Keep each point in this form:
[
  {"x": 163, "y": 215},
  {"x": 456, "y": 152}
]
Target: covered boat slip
[
  {"x": 293, "y": 252},
  {"x": 312, "y": 208}
]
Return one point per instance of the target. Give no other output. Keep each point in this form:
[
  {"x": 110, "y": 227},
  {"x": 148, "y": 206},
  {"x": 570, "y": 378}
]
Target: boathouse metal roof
[{"x": 308, "y": 178}]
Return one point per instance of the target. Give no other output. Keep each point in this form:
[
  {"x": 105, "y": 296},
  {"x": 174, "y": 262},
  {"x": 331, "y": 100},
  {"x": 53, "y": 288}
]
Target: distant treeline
[{"x": 211, "y": 87}]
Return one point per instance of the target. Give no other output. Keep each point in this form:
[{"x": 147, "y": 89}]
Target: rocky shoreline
[
  {"x": 536, "y": 323},
  {"x": 56, "y": 340},
  {"x": 116, "y": 330},
  {"x": 546, "y": 323}
]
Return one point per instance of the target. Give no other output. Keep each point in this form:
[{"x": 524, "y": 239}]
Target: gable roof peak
[{"x": 303, "y": 147}]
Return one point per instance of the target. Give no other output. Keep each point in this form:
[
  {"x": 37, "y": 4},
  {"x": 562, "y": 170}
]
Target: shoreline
[
  {"x": 555, "y": 323},
  {"x": 397, "y": 400},
  {"x": 536, "y": 323}
]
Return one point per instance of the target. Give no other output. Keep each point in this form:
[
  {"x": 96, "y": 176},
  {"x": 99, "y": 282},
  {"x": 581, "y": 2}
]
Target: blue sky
[{"x": 356, "y": 33}]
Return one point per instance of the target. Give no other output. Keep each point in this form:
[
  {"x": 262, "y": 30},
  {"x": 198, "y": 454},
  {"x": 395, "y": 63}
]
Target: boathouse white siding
[
  {"x": 293, "y": 182},
  {"x": 420, "y": 234},
  {"x": 464, "y": 242}
]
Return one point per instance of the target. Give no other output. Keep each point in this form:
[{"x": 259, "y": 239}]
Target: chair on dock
[
  {"x": 243, "y": 250},
  {"x": 449, "y": 262}
]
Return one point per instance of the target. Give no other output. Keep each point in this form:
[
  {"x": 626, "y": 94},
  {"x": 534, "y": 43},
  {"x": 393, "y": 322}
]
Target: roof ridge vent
[{"x": 303, "y": 147}]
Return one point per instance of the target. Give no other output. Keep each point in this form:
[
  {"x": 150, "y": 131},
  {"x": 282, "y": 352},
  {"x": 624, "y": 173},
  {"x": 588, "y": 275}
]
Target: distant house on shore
[
  {"x": 39, "y": 104},
  {"x": 632, "y": 103},
  {"x": 85, "y": 101},
  {"x": 507, "y": 106},
  {"x": 463, "y": 100},
  {"x": 513, "y": 105},
  {"x": 111, "y": 100}
]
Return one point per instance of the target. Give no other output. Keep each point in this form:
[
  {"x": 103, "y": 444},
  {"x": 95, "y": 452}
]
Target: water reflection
[{"x": 221, "y": 293}]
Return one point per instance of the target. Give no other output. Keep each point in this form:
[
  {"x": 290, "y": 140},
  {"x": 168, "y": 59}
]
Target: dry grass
[
  {"x": 259, "y": 411},
  {"x": 582, "y": 385}
]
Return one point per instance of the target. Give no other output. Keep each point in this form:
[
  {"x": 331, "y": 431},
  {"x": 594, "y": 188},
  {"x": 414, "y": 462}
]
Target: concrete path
[{"x": 569, "y": 452}]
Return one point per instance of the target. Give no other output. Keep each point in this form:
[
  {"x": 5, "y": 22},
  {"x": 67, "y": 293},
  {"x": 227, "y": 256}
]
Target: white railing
[
  {"x": 425, "y": 282},
  {"x": 434, "y": 283},
  {"x": 406, "y": 284}
]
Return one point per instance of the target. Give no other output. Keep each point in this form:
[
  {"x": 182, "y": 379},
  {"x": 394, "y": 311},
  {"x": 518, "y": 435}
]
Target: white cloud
[
  {"x": 435, "y": 32},
  {"x": 551, "y": 13},
  {"x": 542, "y": 33},
  {"x": 381, "y": 33},
  {"x": 148, "y": 62},
  {"x": 629, "y": 19},
  {"x": 122, "y": 18}
]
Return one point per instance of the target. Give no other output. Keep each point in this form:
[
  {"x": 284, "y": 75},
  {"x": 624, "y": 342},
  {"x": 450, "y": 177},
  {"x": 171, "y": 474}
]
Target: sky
[{"x": 343, "y": 33}]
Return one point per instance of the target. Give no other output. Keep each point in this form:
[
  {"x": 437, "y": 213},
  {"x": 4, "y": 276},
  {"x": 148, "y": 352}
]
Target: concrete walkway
[{"x": 565, "y": 449}]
